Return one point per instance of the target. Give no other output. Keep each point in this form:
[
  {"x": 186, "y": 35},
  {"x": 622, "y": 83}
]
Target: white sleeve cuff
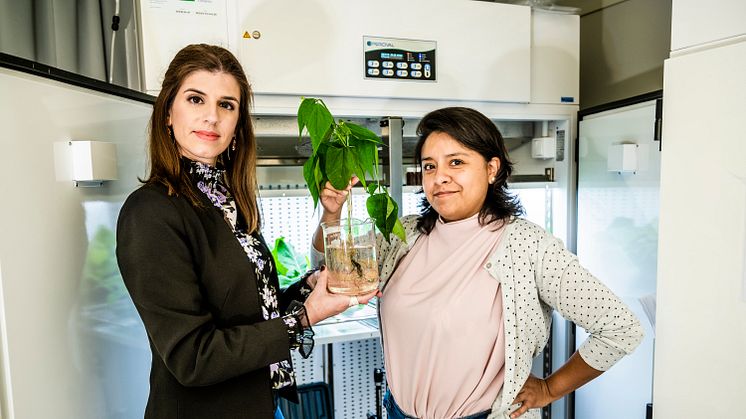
[{"x": 317, "y": 258}]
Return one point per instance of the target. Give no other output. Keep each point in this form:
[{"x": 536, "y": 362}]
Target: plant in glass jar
[{"x": 341, "y": 150}]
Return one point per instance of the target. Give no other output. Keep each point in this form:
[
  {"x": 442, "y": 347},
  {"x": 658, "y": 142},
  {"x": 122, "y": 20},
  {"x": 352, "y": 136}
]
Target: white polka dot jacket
[{"x": 538, "y": 275}]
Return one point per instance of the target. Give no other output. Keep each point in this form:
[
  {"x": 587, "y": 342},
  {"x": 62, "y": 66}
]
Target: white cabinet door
[
  {"x": 477, "y": 50},
  {"x": 555, "y": 58},
  {"x": 697, "y": 22},
  {"x": 699, "y": 368},
  {"x": 618, "y": 242},
  {"x": 166, "y": 26}
]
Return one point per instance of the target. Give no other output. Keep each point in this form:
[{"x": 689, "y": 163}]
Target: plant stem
[
  {"x": 349, "y": 211},
  {"x": 350, "y": 241}
]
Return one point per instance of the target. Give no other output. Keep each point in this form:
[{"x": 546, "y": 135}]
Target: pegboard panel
[
  {"x": 311, "y": 369},
  {"x": 411, "y": 204},
  {"x": 359, "y": 210},
  {"x": 291, "y": 217},
  {"x": 354, "y": 390}
]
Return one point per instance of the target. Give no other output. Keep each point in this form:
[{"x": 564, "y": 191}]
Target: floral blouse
[{"x": 210, "y": 181}]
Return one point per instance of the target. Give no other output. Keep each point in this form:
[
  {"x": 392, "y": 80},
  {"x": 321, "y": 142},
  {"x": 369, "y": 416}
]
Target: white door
[
  {"x": 700, "y": 367},
  {"x": 617, "y": 240}
]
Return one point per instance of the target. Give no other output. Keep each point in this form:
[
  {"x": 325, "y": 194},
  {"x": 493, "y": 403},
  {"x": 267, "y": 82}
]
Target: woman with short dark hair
[{"x": 467, "y": 300}]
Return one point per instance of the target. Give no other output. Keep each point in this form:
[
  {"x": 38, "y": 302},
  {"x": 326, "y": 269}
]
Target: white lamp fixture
[
  {"x": 543, "y": 148},
  {"x": 87, "y": 163},
  {"x": 623, "y": 158}
]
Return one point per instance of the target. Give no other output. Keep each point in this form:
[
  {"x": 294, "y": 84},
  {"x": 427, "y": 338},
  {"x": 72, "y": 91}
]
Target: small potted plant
[{"x": 341, "y": 150}]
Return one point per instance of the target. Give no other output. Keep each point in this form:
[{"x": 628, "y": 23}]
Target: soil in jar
[{"x": 352, "y": 271}]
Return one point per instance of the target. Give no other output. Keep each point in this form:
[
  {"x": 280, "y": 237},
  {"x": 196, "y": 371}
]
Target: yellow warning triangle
[{"x": 246, "y": 34}]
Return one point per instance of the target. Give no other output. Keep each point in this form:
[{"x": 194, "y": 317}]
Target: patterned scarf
[{"x": 210, "y": 180}]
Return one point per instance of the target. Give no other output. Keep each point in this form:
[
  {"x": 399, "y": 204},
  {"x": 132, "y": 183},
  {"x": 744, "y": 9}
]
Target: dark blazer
[{"x": 196, "y": 293}]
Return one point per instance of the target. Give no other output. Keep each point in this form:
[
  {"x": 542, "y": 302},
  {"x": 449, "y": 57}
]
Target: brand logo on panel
[{"x": 380, "y": 44}]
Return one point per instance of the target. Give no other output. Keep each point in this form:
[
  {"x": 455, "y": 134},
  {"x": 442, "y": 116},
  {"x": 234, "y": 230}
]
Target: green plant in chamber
[
  {"x": 290, "y": 264},
  {"x": 341, "y": 149}
]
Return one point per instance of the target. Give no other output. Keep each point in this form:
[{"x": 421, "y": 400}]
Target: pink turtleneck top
[{"x": 442, "y": 323}]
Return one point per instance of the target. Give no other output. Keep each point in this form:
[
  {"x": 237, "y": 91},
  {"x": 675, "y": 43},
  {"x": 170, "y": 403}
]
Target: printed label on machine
[{"x": 399, "y": 59}]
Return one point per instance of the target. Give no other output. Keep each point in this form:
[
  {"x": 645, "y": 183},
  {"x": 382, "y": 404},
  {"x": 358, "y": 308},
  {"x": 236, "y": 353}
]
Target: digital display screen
[{"x": 399, "y": 59}]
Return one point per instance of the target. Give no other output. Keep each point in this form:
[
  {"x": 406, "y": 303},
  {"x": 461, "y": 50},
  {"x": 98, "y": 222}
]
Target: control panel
[{"x": 399, "y": 59}]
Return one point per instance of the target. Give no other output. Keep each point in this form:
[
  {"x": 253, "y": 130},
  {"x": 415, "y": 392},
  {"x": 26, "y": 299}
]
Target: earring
[
  {"x": 170, "y": 131},
  {"x": 231, "y": 148},
  {"x": 492, "y": 180}
]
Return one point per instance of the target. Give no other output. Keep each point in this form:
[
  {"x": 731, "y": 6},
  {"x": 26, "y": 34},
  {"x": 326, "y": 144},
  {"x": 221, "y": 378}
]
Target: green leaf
[
  {"x": 362, "y": 132},
  {"x": 319, "y": 174},
  {"x": 357, "y": 161},
  {"x": 375, "y": 163},
  {"x": 392, "y": 211},
  {"x": 398, "y": 230},
  {"x": 279, "y": 247},
  {"x": 384, "y": 211},
  {"x": 309, "y": 174},
  {"x": 288, "y": 262},
  {"x": 377, "y": 206},
  {"x": 314, "y": 116},
  {"x": 343, "y": 149},
  {"x": 365, "y": 157},
  {"x": 285, "y": 281},
  {"x": 341, "y": 134},
  {"x": 304, "y": 110},
  {"x": 338, "y": 167},
  {"x": 391, "y": 206}
]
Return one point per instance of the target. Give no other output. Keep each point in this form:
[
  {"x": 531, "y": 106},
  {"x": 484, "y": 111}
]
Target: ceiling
[{"x": 585, "y": 6}]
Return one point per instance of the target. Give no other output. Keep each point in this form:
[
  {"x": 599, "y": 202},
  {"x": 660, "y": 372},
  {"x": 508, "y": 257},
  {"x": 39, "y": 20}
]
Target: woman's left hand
[
  {"x": 322, "y": 304},
  {"x": 535, "y": 393}
]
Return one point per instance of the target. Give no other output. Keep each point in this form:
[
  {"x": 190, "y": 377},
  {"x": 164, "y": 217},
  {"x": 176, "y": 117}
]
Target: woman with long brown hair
[{"x": 195, "y": 263}]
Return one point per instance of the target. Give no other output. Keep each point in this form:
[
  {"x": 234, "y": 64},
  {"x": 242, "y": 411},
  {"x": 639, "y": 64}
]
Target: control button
[
  {"x": 401, "y": 73},
  {"x": 387, "y": 72},
  {"x": 401, "y": 65},
  {"x": 373, "y": 63},
  {"x": 373, "y": 71},
  {"x": 427, "y": 70},
  {"x": 417, "y": 74},
  {"x": 388, "y": 64},
  {"x": 416, "y": 66}
]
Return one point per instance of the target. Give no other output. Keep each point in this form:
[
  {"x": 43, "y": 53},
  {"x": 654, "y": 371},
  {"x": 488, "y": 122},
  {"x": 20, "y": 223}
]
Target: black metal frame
[
  {"x": 42, "y": 70},
  {"x": 645, "y": 97}
]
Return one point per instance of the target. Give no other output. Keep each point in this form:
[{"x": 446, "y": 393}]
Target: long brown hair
[
  {"x": 476, "y": 132},
  {"x": 165, "y": 158}
]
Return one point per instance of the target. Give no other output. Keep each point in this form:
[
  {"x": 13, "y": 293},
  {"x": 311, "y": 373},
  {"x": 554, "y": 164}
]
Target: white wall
[
  {"x": 622, "y": 50},
  {"x": 701, "y": 315},
  {"x": 62, "y": 341}
]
